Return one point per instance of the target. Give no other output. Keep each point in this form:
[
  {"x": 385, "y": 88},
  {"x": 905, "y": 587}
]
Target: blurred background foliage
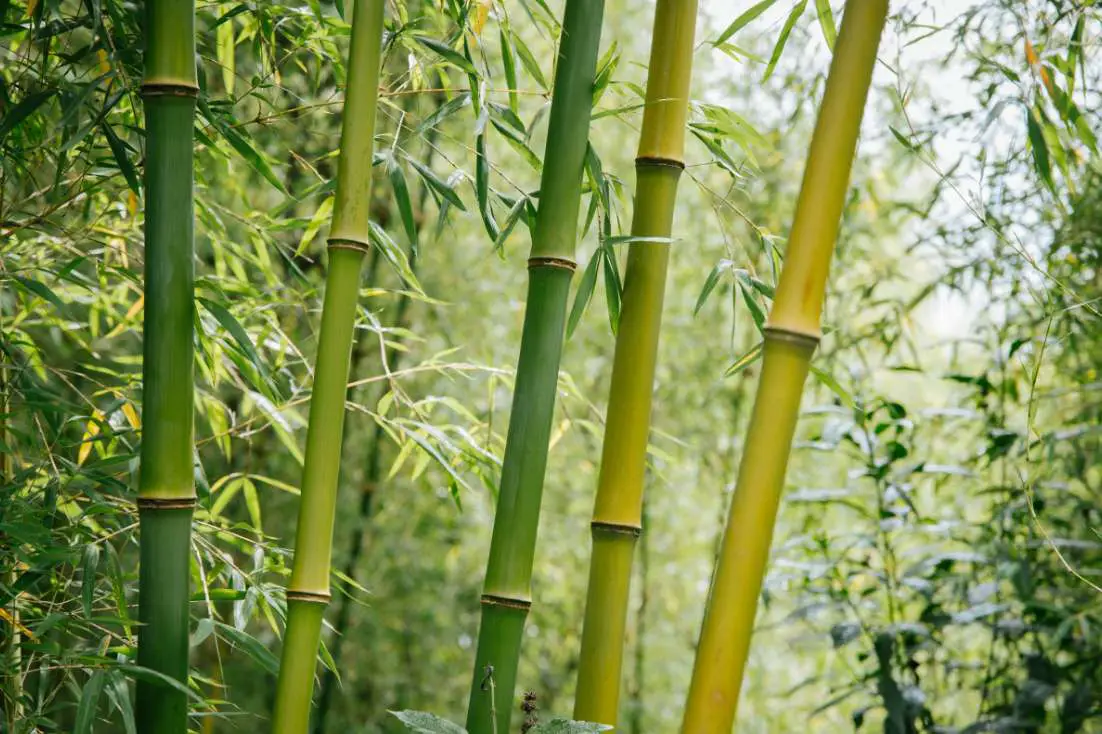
[{"x": 937, "y": 564}]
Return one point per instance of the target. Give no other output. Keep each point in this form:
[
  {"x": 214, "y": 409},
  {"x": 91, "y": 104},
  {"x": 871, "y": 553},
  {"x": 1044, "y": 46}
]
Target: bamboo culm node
[{"x": 791, "y": 336}]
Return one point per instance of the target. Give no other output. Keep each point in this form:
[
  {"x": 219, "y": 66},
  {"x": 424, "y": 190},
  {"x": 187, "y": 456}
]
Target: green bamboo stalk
[
  {"x": 506, "y": 596},
  {"x": 349, "y": 240},
  {"x": 617, "y": 514},
  {"x": 166, "y": 491},
  {"x": 791, "y": 336}
]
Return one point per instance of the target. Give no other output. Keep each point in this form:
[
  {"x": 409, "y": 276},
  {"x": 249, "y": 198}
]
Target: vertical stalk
[
  {"x": 374, "y": 471},
  {"x": 349, "y": 239},
  {"x": 506, "y": 596},
  {"x": 791, "y": 336},
  {"x": 13, "y": 643},
  {"x": 166, "y": 491},
  {"x": 617, "y": 514}
]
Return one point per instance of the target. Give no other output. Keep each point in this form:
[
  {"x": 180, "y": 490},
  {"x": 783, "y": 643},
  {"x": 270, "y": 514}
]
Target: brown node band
[
  {"x": 645, "y": 161},
  {"x": 552, "y": 262},
  {"x": 797, "y": 338},
  {"x": 346, "y": 244},
  {"x": 166, "y": 503},
  {"x": 169, "y": 89},
  {"x": 492, "y": 600},
  {"x": 310, "y": 597},
  {"x": 617, "y": 527}
]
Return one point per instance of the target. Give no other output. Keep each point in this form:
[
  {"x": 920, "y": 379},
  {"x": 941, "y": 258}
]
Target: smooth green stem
[
  {"x": 166, "y": 491},
  {"x": 617, "y": 512},
  {"x": 349, "y": 239},
  {"x": 791, "y": 335},
  {"x": 163, "y": 599},
  {"x": 512, "y": 547}
]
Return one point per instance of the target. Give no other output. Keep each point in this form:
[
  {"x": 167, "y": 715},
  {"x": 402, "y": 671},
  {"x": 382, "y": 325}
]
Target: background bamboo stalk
[
  {"x": 617, "y": 514},
  {"x": 166, "y": 492},
  {"x": 506, "y": 595},
  {"x": 791, "y": 336},
  {"x": 349, "y": 239}
]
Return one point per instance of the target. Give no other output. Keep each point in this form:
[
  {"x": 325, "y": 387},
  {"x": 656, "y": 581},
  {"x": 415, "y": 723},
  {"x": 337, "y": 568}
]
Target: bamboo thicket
[
  {"x": 506, "y": 596},
  {"x": 166, "y": 490},
  {"x": 791, "y": 335},
  {"x": 349, "y": 240},
  {"x": 617, "y": 514}
]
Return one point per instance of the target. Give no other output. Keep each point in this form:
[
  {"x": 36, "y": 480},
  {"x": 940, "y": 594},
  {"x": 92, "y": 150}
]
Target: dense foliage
[{"x": 937, "y": 564}]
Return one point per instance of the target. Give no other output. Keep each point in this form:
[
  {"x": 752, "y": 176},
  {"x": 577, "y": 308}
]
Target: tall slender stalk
[
  {"x": 349, "y": 239},
  {"x": 12, "y": 646},
  {"x": 374, "y": 472},
  {"x": 617, "y": 514},
  {"x": 791, "y": 335},
  {"x": 506, "y": 596},
  {"x": 166, "y": 490}
]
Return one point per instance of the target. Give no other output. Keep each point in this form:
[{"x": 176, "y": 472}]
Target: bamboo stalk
[
  {"x": 12, "y": 685},
  {"x": 166, "y": 491},
  {"x": 506, "y": 596},
  {"x": 374, "y": 471},
  {"x": 349, "y": 239},
  {"x": 617, "y": 514},
  {"x": 791, "y": 336}
]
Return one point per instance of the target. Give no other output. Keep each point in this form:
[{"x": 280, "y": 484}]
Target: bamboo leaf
[
  {"x": 1041, "y": 161},
  {"x": 39, "y": 289},
  {"x": 255, "y": 649},
  {"x": 744, "y": 19},
  {"x": 235, "y": 329},
  {"x": 528, "y": 61},
  {"x": 118, "y": 150},
  {"x": 566, "y": 726},
  {"x": 89, "y": 701},
  {"x": 447, "y": 53},
  {"x": 756, "y": 311},
  {"x": 482, "y": 187},
  {"x": 89, "y": 566},
  {"x": 786, "y": 30},
  {"x": 826, "y": 22},
  {"x": 425, "y": 723},
  {"x": 585, "y": 292},
  {"x": 510, "y": 223},
  {"x": 401, "y": 197},
  {"x": 394, "y": 255},
  {"x": 22, "y": 111},
  {"x": 614, "y": 287},
  {"x": 710, "y": 284},
  {"x": 251, "y": 155},
  {"x": 438, "y": 185},
  {"x": 321, "y": 216},
  {"x": 833, "y": 385},
  {"x": 509, "y": 64},
  {"x": 442, "y": 113},
  {"x": 119, "y": 693},
  {"x": 753, "y": 355}
]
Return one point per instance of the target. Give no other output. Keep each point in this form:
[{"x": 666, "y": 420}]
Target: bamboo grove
[{"x": 171, "y": 92}]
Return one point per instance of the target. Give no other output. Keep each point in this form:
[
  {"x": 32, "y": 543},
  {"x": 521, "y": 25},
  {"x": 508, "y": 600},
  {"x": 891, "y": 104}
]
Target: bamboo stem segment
[
  {"x": 617, "y": 514},
  {"x": 507, "y": 589},
  {"x": 349, "y": 239},
  {"x": 791, "y": 336},
  {"x": 166, "y": 492}
]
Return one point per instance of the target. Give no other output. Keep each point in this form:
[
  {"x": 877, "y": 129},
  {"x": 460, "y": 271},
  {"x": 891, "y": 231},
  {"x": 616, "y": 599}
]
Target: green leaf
[
  {"x": 585, "y": 292},
  {"x": 482, "y": 187},
  {"x": 447, "y": 53},
  {"x": 1041, "y": 160},
  {"x": 756, "y": 311},
  {"x": 833, "y": 385},
  {"x": 253, "y": 647},
  {"x": 710, "y": 284},
  {"x": 425, "y": 723},
  {"x": 401, "y": 198},
  {"x": 528, "y": 61},
  {"x": 394, "y": 255},
  {"x": 89, "y": 566},
  {"x": 826, "y": 22},
  {"x": 235, "y": 329},
  {"x": 118, "y": 150},
  {"x": 509, "y": 63},
  {"x": 39, "y": 289},
  {"x": 743, "y": 20},
  {"x": 437, "y": 184},
  {"x": 89, "y": 701},
  {"x": 119, "y": 693},
  {"x": 22, "y": 111},
  {"x": 321, "y": 216},
  {"x": 753, "y": 355},
  {"x": 443, "y": 112},
  {"x": 251, "y": 155},
  {"x": 566, "y": 726},
  {"x": 786, "y": 30}
]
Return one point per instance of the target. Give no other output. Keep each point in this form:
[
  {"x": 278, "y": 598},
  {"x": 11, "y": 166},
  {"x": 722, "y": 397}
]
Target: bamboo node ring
[
  {"x": 552, "y": 262},
  {"x": 310, "y": 597},
  {"x": 796, "y": 338},
  {"x": 619, "y": 528},
  {"x": 505, "y": 601},
  {"x": 343, "y": 243},
  {"x": 169, "y": 89},
  {"x": 646, "y": 161},
  {"x": 166, "y": 503}
]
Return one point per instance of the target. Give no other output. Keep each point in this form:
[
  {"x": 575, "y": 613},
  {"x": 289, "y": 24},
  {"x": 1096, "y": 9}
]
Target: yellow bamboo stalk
[{"x": 791, "y": 336}]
